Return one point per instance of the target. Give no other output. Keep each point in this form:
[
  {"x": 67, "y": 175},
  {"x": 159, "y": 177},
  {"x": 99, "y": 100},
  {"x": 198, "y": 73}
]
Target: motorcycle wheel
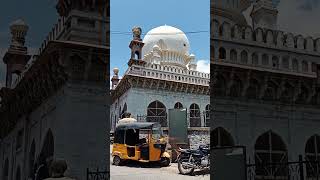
[{"x": 184, "y": 170}]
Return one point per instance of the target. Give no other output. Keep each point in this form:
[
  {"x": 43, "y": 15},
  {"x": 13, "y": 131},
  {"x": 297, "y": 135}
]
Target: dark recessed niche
[{"x": 86, "y": 23}]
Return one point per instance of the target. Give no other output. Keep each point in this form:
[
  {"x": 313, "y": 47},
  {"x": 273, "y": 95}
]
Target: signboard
[{"x": 178, "y": 126}]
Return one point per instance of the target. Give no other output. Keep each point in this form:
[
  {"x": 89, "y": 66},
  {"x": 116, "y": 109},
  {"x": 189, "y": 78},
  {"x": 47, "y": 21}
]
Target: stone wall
[
  {"x": 197, "y": 138},
  {"x": 246, "y": 121}
]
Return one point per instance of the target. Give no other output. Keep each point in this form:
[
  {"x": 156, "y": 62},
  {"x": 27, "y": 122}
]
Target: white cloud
[{"x": 203, "y": 66}]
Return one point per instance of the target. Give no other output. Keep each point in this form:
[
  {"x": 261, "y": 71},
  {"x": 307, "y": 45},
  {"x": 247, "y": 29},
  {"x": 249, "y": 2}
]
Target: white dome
[{"x": 167, "y": 38}]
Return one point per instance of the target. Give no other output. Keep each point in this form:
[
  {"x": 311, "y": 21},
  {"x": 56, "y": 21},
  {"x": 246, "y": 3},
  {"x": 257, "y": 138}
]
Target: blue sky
[
  {"x": 297, "y": 16},
  {"x": 185, "y": 15}
]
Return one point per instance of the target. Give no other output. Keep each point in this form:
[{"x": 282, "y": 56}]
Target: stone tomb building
[
  {"x": 266, "y": 85},
  {"x": 54, "y": 104},
  {"x": 162, "y": 75}
]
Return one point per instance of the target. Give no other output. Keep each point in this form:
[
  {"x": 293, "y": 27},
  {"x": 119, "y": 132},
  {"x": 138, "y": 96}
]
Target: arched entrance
[
  {"x": 45, "y": 157},
  {"x": 312, "y": 151},
  {"x": 270, "y": 149}
]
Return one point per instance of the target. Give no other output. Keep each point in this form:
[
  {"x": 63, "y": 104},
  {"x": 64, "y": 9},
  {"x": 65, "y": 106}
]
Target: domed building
[
  {"x": 161, "y": 74},
  {"x": 265, "y": 91}
]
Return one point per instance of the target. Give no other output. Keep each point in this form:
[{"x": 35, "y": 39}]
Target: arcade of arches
[
  {"x": 157, "y": 112},
  {"x": 34, "y": 162},
  {"x": 269, "y": 148}
]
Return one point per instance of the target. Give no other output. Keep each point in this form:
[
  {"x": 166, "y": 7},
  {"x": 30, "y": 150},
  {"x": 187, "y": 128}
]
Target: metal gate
[{"x": 295, "y": 170}]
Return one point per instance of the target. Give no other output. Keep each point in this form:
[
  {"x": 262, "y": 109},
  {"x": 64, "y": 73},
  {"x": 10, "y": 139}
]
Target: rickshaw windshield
[{"x": 157, "y": 132}]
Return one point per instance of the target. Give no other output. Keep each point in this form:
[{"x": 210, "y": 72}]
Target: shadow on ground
[{"x": 137, "y": 164}]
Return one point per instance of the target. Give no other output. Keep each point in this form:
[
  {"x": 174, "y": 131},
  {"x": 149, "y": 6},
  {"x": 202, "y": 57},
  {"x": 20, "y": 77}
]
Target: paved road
[{"x": 134, "y": 171}]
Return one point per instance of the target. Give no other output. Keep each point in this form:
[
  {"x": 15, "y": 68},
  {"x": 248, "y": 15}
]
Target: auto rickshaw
[{"x": 140, "y": 141}]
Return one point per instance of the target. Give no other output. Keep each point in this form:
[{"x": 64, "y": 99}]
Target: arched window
[
  {"x": 222, "y": 53},
  {"x": 32, "y": 159},
  {"x": 233, "y": 55},
  {"x": 275, "y": 62},
  {"x": 207, "y": 115},
  {"x": 156, "y": 112},
  {"x": 18, "y": 174},
  {"x": 6, "y": 170},
  {"x": 178, "y": 105},
  {"x": 270, "y": 148},
  {"x": 244, "y": 57},
  {"x": 219, "y": 137},
  {"x": 255, "y": 59},
  {"x": 285, "y": 62},
  {"x": 304, "y": 66},
  {"x": 195, "y": 119},
  {"x": 136, "y": 55},
  {"x": 265, "y": 59},
  {"x": 295, "y": 65},
  {"x": 312, "y": 151}
]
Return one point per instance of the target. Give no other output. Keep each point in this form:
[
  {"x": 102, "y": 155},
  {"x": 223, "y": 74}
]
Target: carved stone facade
[
  {"x": 265, "y": 92},
  {"x": 58, "y": 105},
  {"x": 165, "y": 78}
]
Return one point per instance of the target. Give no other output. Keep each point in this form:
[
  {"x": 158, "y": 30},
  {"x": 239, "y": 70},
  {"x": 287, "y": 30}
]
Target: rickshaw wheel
[
  {"x": 165, "y": 162},
  {"x": 117, "y": 160}
]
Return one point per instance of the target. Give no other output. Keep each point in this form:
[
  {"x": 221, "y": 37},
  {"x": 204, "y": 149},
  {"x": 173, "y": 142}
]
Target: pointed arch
[
  {"x": 178, "y": 105},
  {"x": 156, "y": 112},
  {"x": 220, "y": 137},
  {"x": 270, "y": 148},
  {"x": 312, "y": 154},
  {"x": 47, "y": 150}
]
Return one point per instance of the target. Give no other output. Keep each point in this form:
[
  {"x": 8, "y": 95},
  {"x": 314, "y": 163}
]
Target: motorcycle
[{"x": 189, "y": 160}]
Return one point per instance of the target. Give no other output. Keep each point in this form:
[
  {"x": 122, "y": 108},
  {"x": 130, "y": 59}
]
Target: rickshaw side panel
[{"x": 121, "y": 151}]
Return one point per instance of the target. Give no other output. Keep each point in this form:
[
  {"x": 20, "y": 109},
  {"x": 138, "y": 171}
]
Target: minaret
[
  {"x": 136, "y": 48},
  {"x": 84, "y": 21},
  {"x": 17, "y": 56},
  {"x": 264, "y": 14},
  {"x": 192, "y": 63},
  {"x": 115, "y": 78}
]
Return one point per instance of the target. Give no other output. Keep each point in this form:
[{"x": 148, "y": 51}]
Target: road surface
[{"x": 136, "y": 171}]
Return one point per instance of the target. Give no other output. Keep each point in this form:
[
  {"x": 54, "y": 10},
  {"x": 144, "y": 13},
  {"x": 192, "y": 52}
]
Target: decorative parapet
[
  {"x": 265, "y": 37},
  {"x": 164, "y": 72},
  {"x": 265, "y": 50},
  {"x": 54, "y": 34}
]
